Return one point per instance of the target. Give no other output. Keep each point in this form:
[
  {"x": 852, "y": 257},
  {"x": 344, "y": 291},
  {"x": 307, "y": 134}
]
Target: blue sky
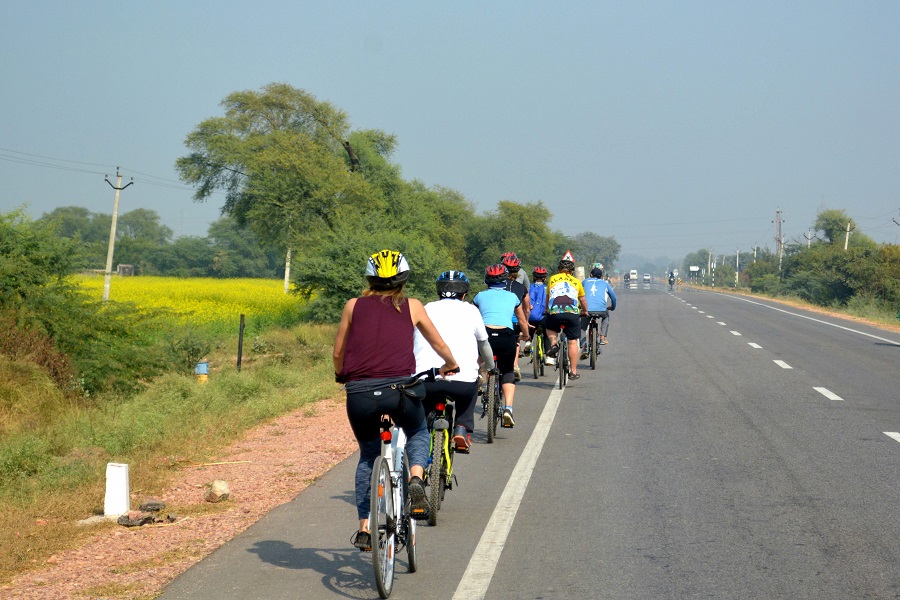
[{"x": 672, "y": 126}]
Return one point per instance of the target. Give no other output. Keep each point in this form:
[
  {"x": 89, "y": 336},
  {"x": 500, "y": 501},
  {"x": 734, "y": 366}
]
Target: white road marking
[
  {"x": 783, "y": 364},
  {"x": 893, "y": 434},
  {"x": 702, "y": 312},
  {"x": 787, "y": 312},
  {"x": 828, "y": 393},
  {"x": 754, "y": 345},
  {"x": 720, "y": 323},
  {"x": 477, "y": 578},
  {"x": 737, "y": 333},
  {"x": 710, "y": 317}
]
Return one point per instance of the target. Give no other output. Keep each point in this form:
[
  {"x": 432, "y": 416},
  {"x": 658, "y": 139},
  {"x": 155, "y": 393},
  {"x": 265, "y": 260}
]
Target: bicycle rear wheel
[
  {"x": 542, "y": 352},
  {"x": 536, "y": 357},
  {"x": 592, "y": 346},
  {"x": 492, "y": 402},
  {"x": 563, "y": 360},
  {"x": 383, "y": 527},
  {"x": 436, "y": 476},
  {"x": 409, "y": 524}
]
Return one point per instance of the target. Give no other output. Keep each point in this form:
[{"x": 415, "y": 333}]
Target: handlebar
[{"x": 431, "y": 374}]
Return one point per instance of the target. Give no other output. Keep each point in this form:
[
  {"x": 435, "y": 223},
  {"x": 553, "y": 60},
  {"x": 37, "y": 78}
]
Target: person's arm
[
  {"x": 612, "y": 297},
  {"x": 523, "y": 323},
  {"x": 487, "y": 354},
  {"x": 423, "y": 323},
  {"x": 582, "y": 303},
  {"x": 340, "y": 340}
]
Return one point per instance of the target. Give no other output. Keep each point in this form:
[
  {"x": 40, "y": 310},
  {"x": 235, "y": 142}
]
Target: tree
[
  {"x": 279, "y": 156},
  {"x": 834, "y": 225},
  {"x": 590, "y": 247}
]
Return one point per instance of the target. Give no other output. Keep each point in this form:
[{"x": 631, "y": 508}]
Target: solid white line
[
  {"x": 828, "y": 393},
  {"x": 787, "y": 312},
  {"x": 738, "y": 333},
  {"x": 477, "y": 578},
  {"x": 783, "y": 364},
  {"x": 754, "y": 345},
  {"x": 893, "y": 434}
]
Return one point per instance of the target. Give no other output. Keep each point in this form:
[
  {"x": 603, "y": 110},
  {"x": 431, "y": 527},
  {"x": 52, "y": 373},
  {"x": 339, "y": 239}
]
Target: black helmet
[
  {"x": 597, "y": 273},
  {"x": 452, "y": 284}
]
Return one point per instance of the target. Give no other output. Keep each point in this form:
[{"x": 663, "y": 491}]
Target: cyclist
[
  {"x": 537, "y": 294},
  {"x": 600, "y": 299},
  {"x": 521, "y": 275},
  {"x": 373, "y": 349},
  {"x": 461, "y": 326},
  {"x": 514, "y": 268},
  {"x": 566, "y": 302},
  {"x": 498, "y": 306}
]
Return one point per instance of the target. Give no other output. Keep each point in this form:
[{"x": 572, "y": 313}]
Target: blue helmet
[{"x": 452, "y": 284}]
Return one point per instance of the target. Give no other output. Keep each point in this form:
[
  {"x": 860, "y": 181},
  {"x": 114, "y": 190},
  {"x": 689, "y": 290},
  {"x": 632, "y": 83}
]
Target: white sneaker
[
  {"x": 527, "y": 348},
  {"x": 549, "y": 361}
]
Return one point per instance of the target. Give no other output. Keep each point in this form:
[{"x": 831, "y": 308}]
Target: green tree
[
  {"x": 834, "y": 225},
  {"x": 280, "y": 158},
  {"x": 590, "y": 247}
]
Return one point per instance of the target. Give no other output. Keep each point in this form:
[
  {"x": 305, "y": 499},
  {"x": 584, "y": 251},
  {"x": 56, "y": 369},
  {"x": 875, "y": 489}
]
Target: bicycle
[
  {"x": 390, "y": 519},
  {"x": 439, "y": 473},
  {"x": 492, "y": 403},
  {"x": 537, "y": 352}
]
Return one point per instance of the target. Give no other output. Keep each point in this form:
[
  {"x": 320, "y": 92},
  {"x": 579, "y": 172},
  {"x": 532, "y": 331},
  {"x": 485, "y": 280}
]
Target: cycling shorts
[{"x": 571, "y": 322}]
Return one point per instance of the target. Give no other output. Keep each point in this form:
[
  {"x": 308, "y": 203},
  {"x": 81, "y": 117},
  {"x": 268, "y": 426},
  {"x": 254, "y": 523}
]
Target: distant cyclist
[
  {"x": 537, "y": 294},
  {"x": 566, "y": 302},
  {"x": 514, "y": 269},
  {"x": 497, "y": 306},
  {"x": 600, "y": 299},
  {"x": 462, "y": 328},
  {"x": 373, "y": 350}
]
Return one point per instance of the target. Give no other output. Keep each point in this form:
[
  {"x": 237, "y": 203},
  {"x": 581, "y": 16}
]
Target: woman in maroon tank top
[{"x": 374, "y": 348}]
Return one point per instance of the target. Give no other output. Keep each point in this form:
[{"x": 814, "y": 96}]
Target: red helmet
[
  {"x": 539, "y": 272},
  {"x": 511, "y": 261},
  {"x": 495, "y": 274}
]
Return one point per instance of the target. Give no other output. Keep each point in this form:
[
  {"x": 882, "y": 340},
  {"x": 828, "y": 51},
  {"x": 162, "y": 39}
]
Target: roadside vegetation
[{"x": 844, "y": 273}]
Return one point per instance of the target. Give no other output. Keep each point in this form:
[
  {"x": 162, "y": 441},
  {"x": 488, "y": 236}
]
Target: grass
[{"x": 53, "y": 451}]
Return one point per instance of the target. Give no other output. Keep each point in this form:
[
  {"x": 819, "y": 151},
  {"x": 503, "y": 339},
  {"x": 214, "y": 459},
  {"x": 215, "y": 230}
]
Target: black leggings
[
  {"x": 462, "y": 393},
  {"x": 505, "y": 344}
]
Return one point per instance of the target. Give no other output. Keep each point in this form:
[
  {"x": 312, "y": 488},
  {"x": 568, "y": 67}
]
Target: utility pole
[
  {"x": 112, "y": 232},
  {"x": 847, "y": 237},
  {"x": 779, "y": 240},
  {"x": 737, "y": 265},
  {"x": 809, "y": 237}
]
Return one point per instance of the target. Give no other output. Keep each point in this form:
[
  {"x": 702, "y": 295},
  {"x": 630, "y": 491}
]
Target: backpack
[{"x": 538, "y": 295}]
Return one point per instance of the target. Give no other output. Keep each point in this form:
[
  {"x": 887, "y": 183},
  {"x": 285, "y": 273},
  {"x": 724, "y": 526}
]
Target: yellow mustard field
[{"x": 202, "y": 301}]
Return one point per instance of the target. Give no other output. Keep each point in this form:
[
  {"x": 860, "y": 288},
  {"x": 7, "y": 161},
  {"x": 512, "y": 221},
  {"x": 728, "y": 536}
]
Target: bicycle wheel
[
  {"x": 541, "y": 353},
  {"x": 562, "y": 360},
  {"x": 536, "y": 356},
  {"x": 409, "y": 524},
  {"x": 383, "y": 527},
  {"x": 436, "y": 476},
  {"x": 592, "y": 346},
  {"x": 492, "y": 401}
]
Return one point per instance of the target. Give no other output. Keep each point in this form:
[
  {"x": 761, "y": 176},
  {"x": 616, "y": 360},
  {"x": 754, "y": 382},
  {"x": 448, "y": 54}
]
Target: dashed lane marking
[
  {"x": 754, "y": 345},
  {"x": 893, "y": 434},
  {"x": 737, "y": 333},
  {"x": 783, "y": 365},
  {"x": 828, "y": 393}
]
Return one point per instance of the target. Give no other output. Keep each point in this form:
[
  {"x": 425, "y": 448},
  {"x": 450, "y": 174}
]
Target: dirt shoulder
[{"x": 269, "y": 466}]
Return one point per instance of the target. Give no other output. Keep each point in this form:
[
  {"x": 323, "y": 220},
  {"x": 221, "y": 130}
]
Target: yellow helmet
[{"x": 387, "y": 270}]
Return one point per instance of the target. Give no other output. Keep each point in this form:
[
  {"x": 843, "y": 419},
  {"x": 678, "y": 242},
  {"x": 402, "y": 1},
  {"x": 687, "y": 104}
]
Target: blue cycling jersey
[
  {"x": 497, "y": 306},
  {"x": 599, "y": 295}
]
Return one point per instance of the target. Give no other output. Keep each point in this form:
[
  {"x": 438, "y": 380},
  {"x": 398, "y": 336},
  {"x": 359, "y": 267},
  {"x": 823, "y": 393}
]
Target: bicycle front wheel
[
  {"x": 383, "y": 527},
  {"x": 435, "y": 474},
  {"x": 536, "y": 356}
]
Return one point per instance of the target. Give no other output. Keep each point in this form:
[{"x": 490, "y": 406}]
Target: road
[{"x": 723, "y": 448}]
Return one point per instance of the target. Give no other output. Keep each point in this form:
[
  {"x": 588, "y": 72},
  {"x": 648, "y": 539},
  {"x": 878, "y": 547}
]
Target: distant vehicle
[
  {"x": 633, "y": 278},
  {"x": 646, "y": 277}
]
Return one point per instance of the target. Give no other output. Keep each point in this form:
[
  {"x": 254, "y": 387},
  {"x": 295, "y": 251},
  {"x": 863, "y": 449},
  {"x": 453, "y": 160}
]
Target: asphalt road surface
[{"x": 723, "y": 448}]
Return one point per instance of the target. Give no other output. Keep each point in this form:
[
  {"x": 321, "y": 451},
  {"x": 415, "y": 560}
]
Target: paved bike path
[{"x": 302, "y": 548}]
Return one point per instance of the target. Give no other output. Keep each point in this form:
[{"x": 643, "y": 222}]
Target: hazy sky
[{"x": 672, "y": 126}]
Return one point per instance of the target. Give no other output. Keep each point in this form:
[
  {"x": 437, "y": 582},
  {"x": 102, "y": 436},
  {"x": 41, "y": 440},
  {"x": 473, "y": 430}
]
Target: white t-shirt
[{"x": 460, "y": 325}]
